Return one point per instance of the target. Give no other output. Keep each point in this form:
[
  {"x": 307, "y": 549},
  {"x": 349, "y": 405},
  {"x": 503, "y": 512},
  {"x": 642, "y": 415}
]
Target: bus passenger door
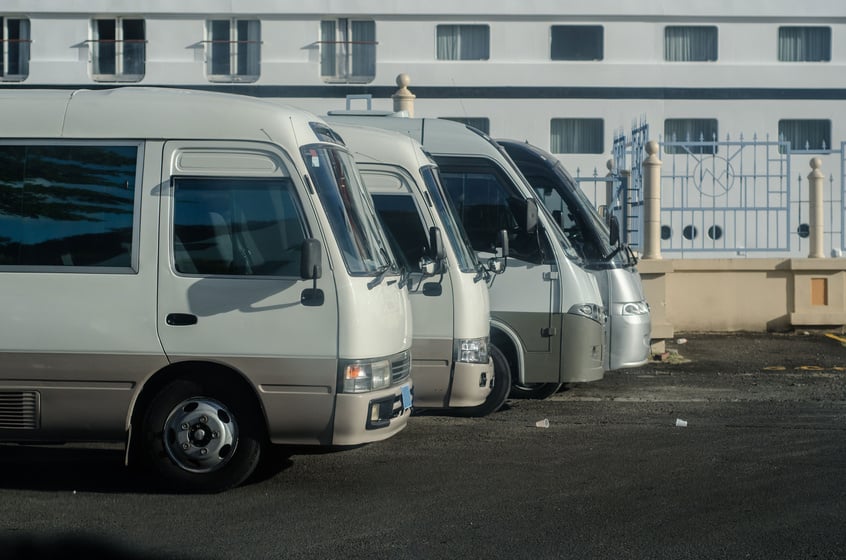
[
  {"x": 525, "y": 295},
  {"x": 231, "y": 233}
]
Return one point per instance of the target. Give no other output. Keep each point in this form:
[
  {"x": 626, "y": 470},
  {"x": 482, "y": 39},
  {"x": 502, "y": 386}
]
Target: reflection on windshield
[
  {"x": 467, "y": 260},
  {"x": 349, "y": 209},
  {"x": 577, "y": 217},
  {"x": 554, "y": 228}
]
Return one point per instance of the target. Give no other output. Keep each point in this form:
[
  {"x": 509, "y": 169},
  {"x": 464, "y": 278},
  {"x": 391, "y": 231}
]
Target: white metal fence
[{"x": 725, "y": 197}]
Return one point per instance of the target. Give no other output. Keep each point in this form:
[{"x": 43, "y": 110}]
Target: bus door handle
[{"x": 181, "y": 319}]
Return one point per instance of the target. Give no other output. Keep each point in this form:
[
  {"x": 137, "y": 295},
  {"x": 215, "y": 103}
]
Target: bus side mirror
[
  {"x": 531, "y": 215},
  {"x": 431, "y": 264},
  {"x": 614, "y": 230},
  {"x": 498, "y": 264},
  {"x": 436, "y": 244},
  {"x": 311, "y": 268}
]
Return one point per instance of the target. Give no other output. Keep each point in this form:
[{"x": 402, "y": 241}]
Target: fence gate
[{"x": 730, "y": 197}]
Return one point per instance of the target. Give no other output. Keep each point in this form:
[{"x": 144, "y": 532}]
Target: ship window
[
  {"x": 14, "y": 39},
  {"x": 806, "y": 135},
  {"x": 463, "y": 42},
  {"x": 577, "y": 136},
  {"x": 233, "y": 50},
  {"x": 118, "y": 50},
  {"x": 347, "y": 50},
  {"x": 479, "y": 123},
  {"x": 576, "y": 42},
  {"x": 804, "y": 44},
  {"x": 690, "y": 43},
  {"x": 694, "y": 136}
]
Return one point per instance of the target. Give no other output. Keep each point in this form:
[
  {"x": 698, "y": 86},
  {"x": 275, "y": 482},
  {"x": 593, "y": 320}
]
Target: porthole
[
  {"x": 804, "y": 230},
  {"x": 690, "y": 232},
  {"x": 666, "y": 232},
  {"x": 715, "y": 232}
]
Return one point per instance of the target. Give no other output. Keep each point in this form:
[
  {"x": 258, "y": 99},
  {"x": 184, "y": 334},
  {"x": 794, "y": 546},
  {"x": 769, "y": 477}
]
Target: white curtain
[
  {"x": 220, "y": 51},
  {"x": 804, "y": 44},
  {"x": 691, "y": 44},
  {"x": 447, "y": 42},
  {"x": 474, "y": 42},
  {"x": 577, "y": 136},
  {"x": 463, "y": 42},
  {"x": 327, "y": 48},
  {"x": 691, "y": 130},
  {"x": 133, "y": 46},
  {"x": 17, "y": 32},
  {"x": 363, "y": 49},
  {"x": 249, "y": 47},
  {"x": 808, "y": 134}
]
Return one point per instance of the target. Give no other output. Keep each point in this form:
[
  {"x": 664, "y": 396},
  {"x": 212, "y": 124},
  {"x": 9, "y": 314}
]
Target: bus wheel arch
[
  {"x": 197, "y": 427},
  {"x": 519, "y": 389}
]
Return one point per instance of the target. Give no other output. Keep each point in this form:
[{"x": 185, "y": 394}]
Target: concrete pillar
[
  {"x": 817, "y": 222},
  {"x": 651, "y": 203},
  {"x": 403, "y": 98}
]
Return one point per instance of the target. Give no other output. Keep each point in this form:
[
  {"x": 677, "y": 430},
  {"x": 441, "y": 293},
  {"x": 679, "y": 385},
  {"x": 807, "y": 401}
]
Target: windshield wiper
[{"x": 383, "y": 270}]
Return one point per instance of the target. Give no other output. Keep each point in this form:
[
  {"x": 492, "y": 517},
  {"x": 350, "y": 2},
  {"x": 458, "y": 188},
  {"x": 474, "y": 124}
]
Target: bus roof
[{"x": 149, "y": 112}]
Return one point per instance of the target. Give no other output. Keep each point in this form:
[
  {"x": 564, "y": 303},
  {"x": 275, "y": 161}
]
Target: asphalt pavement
[{"x": 728, "y": 447}]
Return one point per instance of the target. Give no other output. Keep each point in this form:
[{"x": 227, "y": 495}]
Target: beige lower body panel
[
  {"x": 353, "y": 416},
  {"x": 471, "y": 384},
  {"x": 74, "y": 396}
]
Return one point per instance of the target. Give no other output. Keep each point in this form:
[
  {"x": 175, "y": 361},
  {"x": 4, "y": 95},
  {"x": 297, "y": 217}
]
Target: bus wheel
[
  {"x": 198, "y": 436},
  {"x": 499, "y": 391},
  {"x": 533, "y": 390}
]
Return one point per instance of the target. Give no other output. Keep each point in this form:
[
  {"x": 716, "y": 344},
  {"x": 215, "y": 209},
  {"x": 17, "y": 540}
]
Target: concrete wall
[{"x": 721, "y": 295}]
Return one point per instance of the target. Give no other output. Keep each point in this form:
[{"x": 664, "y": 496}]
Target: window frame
[
  {"x": 716, "y": 46},
  {"x": 94, "y": 55},
  {"x": 472, "y": 121},
  {"x": 809, "y": 150},
  {"x": 134, "y": 252},
  {"x": 580, "y": 29},
  {"x": 457, "y": 47},
  {"x": 704, "y": 145},
  {"x": 235, "y": 51},
  {"x": 24, "y": 41},
  {"x": 413, "y": 267},
  {"x": 346, "y": 59},
  {"x": 553, "y": 144},
  {"x": 807, "y": 29},
  {"x": 284, "y": 183}
]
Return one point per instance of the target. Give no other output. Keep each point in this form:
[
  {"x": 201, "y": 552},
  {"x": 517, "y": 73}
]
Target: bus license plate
[{"x": 406, "y": 397}]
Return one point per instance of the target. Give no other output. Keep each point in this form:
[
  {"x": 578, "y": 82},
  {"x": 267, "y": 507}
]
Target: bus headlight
[
  {"x": 471, "y": 350},
  {"x": 636, "y": 308},
  {"x": 589, "y": 310},
  {"x": 362, "y": 376}
]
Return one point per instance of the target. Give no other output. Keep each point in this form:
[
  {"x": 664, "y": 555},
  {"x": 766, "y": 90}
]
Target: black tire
[
  {"x": 538, "y": 391},
  {"x": 499, "y": 391},
  {"x": 200, "y": 436}
]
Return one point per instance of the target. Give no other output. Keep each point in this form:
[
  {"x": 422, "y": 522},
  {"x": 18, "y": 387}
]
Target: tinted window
[
  {"x": 486, "y": 204},
  {"x": 237, "y": 226},
  {"x": 576, "y": 42},
  {"x": 404, "y": 228},
  {"x": 67, "y": 205}
]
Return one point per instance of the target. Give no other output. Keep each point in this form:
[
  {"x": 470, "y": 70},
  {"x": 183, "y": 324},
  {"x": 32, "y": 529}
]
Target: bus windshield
[
  {"x": 349, "y": 209},
  {"x": 467, "y": 260}
]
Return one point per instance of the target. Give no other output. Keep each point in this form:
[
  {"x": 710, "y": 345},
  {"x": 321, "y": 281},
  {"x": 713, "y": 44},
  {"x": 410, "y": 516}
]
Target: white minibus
[
  {"x": 452, "y": 365},
  {"x": 603, "y": 253},
  {"x": 196, "y": 275},
  {"x": 547, "y": 316}
]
